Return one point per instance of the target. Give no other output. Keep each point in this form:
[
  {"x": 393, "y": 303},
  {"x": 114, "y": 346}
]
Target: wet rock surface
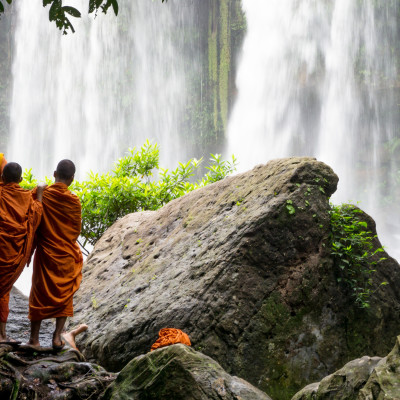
[
  {"x": 243, "y": 267},
  {"x": 178, "y": 372},
  {"x": 384, "y": 382},
  {"x": 18, "y": 324},
  {"x": 344, "y": 384},
  {"x": 367, "y": 378},
  {"x": 29, "y": 373}
]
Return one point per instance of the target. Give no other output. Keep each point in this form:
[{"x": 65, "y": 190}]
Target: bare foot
[
  {"x": 58, "y": 343},
  {"x": 70, "y": 336},
  {"x": 33, "y": 342}
]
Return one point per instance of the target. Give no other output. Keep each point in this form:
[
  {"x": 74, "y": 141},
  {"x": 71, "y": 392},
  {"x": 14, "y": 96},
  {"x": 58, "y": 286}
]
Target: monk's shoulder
[
  {"x": 74, "y": 198},
  {"x": 17, "y": 189},
  {"x": 61, "y": 193}
]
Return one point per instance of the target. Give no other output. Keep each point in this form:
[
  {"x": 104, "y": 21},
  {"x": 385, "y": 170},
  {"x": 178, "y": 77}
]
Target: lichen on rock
[
  {"x": 244, "y": 267},
  {"x": 178, "y": 372}
]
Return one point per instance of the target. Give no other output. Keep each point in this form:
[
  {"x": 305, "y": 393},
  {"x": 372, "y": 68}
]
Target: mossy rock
[{"x": 178, "y": 372}]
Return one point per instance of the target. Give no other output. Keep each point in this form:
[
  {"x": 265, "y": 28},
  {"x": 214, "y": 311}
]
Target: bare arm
[{"x": 39, "y": 191}]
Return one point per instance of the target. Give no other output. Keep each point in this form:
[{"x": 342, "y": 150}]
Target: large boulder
[
  {"x": 384, "y": 382},
  {"x": 178, "y": 372},
  {"x": 343, "y": 384},
  {"x": 366, "y": 378},
  {"x": 243, "y": 266}
]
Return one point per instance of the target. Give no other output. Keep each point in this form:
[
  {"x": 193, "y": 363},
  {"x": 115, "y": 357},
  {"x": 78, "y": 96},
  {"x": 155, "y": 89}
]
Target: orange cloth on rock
[
  {"x": 168, "y": 336},
  {"x": 20, "y": 215},
  {"x": 57, "y": 266}
]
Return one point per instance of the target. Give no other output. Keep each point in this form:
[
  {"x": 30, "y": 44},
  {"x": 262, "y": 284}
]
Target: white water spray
[
  {"x": 316, "y": 78},
  {"x": 113, "y": 84},
  {"x": 91, "y": 95}
]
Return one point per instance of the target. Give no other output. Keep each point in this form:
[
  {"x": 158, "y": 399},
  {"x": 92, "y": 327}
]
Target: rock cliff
[{"x": 243, "y": 266}]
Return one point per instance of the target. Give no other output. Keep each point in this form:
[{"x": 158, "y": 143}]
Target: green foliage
[
  {"x": 130, "y": 187},
  {"x": 59, "y": 13},
  {"x": 2, "y": 5},
  {"x": 354, "y": 253},
  {"x": 290, "y": 208},
  {"x": 29, "y": 181}
]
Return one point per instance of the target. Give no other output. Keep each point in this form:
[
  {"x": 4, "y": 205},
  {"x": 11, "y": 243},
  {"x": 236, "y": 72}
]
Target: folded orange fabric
[{"x": 168, "y": 336}]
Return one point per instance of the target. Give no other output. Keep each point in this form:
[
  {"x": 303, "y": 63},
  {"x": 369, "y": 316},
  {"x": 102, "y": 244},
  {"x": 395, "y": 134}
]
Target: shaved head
[
  {"x": 65, "y": 169},
  {"x": 12, "y": 172}
]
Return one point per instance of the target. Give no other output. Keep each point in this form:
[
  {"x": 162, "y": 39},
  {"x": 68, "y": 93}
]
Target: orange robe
[
  {"x": 168, "y": 336},
  {"x": 20, "y": 215},
  {"x": 3, "y": 162},
  {"x": 57, "y": 265}
]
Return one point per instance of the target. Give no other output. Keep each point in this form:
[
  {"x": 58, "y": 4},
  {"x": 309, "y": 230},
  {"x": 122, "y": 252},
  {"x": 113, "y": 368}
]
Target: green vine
[{"x": 354, "y": 252}]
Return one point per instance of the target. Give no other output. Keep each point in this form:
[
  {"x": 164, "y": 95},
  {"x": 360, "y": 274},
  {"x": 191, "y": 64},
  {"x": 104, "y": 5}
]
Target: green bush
[
  {"x": 137, "y": 183},
  {"x": 354, "y": 253}
]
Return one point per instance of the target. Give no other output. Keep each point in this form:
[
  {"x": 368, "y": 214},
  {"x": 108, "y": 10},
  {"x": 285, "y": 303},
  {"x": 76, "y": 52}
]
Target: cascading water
[
  {"x": 319, "y": 78},
  {"x": 113, "y": 84},
  {"x": 89, "y": 96}
]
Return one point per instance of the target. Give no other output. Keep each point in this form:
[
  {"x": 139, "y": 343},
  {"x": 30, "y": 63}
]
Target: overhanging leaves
[{"x": 57, "y": 12}]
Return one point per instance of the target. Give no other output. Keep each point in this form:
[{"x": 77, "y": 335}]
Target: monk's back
[
  {"x": 57, "y": 266},
  {"x": 16, "y": 209},
  {"x": 61, "y": 221}
]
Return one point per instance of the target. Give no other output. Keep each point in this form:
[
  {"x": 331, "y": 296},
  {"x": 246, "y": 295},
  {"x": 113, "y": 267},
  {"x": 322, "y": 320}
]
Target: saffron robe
[
  {"x": 57, "y": 265},
  {"x": 168, "y": 336},
  {"x": 20, "y": 216},
  {"x": 3, "y": 162}
]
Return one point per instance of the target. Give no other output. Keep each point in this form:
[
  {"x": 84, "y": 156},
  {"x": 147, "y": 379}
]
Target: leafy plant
[
  {"x": 59, "y": 13},
  {"x": 131, "y": 187},
  {"x": 354, "y": 253}
]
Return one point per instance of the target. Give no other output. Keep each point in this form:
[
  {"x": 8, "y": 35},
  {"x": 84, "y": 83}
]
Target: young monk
[
  {"x": 20, "y": 215},
  {"x": 57, "y": 266},
  {"x": 3, "y": 162}
]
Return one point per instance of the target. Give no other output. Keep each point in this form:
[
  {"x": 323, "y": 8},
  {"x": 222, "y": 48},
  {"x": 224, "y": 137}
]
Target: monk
[
  {"x": 20, "y": 216},
  {"x": 3, "y": 162},
  {"x": 57, "y": 265}
]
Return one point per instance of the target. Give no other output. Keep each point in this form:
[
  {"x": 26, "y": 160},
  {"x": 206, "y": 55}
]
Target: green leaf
[
  {"x": 1, "y": 7},
  {"x": 72, "y": 11},
  {"x": 55, "y": 9},
  {"x": 94, "y": 5},
  {"x": 115, "y": 6}
]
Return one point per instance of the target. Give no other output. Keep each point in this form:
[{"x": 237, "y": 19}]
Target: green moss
[
  {"x": 213, "y": 61},
  {"x": 225, "y": 60},
  {"x": 14, "y": 394},
  {"x": 270, "y": 334}
]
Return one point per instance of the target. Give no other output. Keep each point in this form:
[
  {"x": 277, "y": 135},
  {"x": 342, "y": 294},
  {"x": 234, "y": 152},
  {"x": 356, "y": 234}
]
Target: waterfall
[
  {"x": 91, "y": 95},
  {"x": 113, "y": 84},
  {"x": 319, "y": 78}
]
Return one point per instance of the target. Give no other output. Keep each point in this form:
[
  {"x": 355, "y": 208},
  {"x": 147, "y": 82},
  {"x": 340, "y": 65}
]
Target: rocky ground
[{"x": 27, "y": 373}]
